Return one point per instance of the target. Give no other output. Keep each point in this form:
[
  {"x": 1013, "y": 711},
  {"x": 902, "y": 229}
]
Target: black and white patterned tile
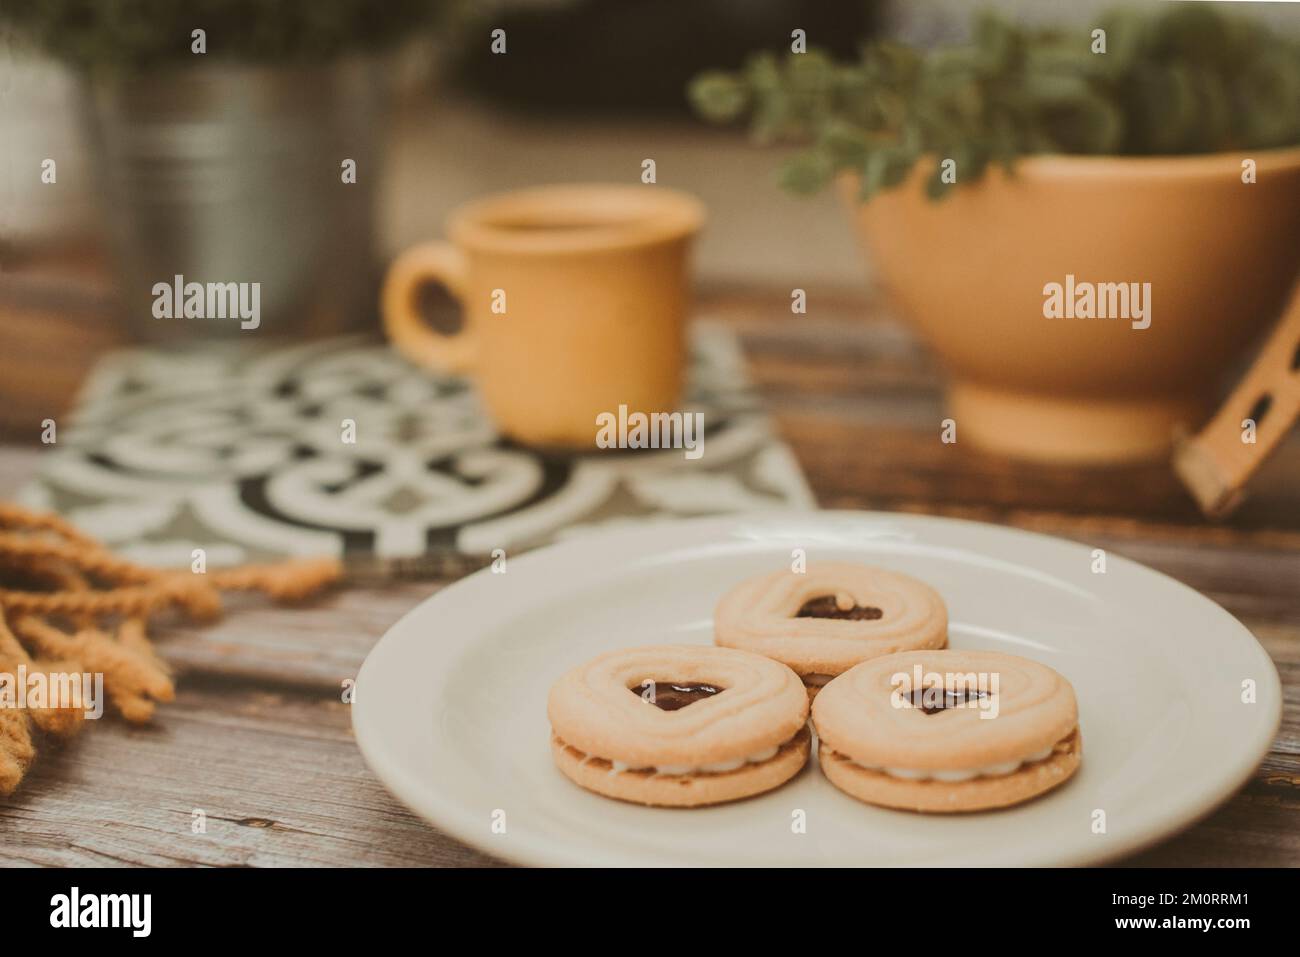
[{"x": 237, "y": 450}]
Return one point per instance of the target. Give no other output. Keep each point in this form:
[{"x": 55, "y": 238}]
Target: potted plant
[
  {"x": 219, "y": 131},
  {"x": 1087, "y": 224}
]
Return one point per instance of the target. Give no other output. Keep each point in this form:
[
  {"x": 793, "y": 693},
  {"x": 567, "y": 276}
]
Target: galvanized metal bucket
[{"x": 231, "y": 173}]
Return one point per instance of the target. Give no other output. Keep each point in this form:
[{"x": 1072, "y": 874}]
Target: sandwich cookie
[
  {"x": 679, "y": 726},
  {"x": 824, "y": 621},
  {"x": 948, "y": 730}
]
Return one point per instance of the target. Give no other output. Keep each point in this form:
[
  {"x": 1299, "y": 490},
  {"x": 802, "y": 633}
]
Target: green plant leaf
[
  {"x": 1182, "y": 78},
  {"x": 806, "y": 173},
  {"x": 718, "y": 96}
]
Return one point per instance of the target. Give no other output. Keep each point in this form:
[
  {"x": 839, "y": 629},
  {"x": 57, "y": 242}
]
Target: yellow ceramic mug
[{"x": 574, "y": 299}]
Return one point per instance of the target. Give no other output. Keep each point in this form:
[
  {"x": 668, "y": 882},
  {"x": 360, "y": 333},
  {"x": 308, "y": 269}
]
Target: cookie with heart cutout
[
  {"x": 679, "y": 725},
  {"x": 944, "y": 731},
  {"x": 823, "y": 621}
]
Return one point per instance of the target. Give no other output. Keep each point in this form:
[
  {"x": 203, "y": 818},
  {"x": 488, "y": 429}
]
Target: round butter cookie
[
  {"x": 948, "y": 731},
  {"x": 679, "y": 725},
  {"x": 825, "y": 620}
]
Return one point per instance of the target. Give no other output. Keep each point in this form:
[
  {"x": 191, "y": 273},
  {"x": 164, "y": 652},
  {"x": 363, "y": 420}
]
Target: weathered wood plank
[
  {"x": 883, "y": 461},
  {"x": 1251, "y": 572},
  {"x": 316, "y": 645},
  {"x": 281, "y": 784},
  {"x": 259, "y": 739},
  {"x": 276, "y": 773},
  {"x": 1257, "y": 828},
  {"x": 53, "y": 326}
]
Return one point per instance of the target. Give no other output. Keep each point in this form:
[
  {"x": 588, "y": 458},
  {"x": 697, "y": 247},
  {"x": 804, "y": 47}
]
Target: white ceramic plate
[{"x": 450, "y": 710}]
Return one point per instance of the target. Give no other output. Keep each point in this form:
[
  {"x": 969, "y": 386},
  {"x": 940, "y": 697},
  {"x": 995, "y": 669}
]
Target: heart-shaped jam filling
[
  {"x": 837, "y": 606},
  {"x": 673, "y": 695},
  {"x": 934, "y": 700}
]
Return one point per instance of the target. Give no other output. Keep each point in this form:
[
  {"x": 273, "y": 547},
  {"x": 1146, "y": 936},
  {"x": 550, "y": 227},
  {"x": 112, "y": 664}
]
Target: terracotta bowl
[{"x": 970, "y": 271}]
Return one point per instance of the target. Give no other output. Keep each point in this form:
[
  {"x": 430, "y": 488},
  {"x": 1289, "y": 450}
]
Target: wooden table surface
[{"x": 260, "y": 741}]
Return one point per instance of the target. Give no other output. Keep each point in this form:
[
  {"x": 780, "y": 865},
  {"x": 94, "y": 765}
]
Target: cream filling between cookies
[
  {"x": 965, "y": 774},
  {"x": 681, "y": 770}
]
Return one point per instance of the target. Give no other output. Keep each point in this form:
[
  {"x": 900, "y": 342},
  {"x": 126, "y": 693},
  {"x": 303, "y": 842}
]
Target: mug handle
[
  {"x": 1216, "y": 464},
  {"x": 439, "y": 262}
]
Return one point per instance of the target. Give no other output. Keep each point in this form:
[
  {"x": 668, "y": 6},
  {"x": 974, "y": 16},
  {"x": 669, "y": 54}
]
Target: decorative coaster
[{"x": 238, "y": 449}]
